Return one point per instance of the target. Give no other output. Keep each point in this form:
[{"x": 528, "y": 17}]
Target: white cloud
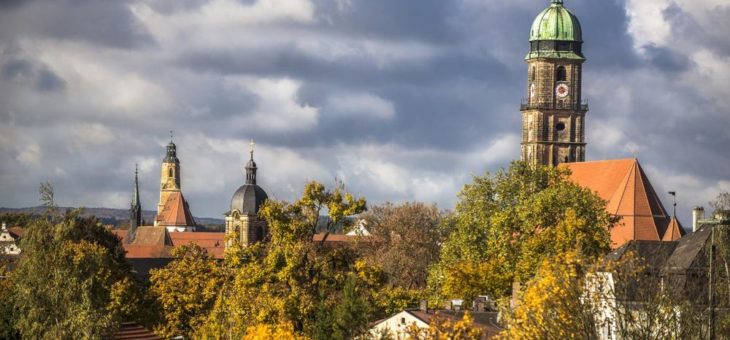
[
  {"x": 215, "y": 23},
  {"x": 278, "y": 107}
]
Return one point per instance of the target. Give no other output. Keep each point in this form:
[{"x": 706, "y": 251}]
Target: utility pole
[{"x": 712, "y": 295}]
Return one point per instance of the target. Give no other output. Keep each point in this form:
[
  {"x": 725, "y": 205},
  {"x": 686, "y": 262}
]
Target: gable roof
[
  {"x": 157, "y": 242},
  {"x": 175, "y": 212},
  {"x": 674, "y": 231},
  {"x": 629, "y": 194}
]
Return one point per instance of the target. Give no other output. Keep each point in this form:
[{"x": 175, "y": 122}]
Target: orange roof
[
  {"x": 132, "y": 330},
  {"x": 214, "y": 243},
  {"x": 674, "y": 231},
  {"x": 629, "y": 194},
  {"x": 175, "y": 212},
  {"x": 151, "y": 242}
]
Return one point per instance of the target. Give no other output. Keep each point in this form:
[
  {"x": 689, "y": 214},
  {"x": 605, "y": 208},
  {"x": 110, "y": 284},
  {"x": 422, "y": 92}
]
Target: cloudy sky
[{"x": 402, "y": 100}]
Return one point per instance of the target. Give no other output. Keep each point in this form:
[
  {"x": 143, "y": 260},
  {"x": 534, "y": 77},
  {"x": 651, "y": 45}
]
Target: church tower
[
  {"x": 135, "y": 210},
  {"x": 169, "y": 176},
  {"x": 242, "y": 220},
  {"x": 553, "y": 114},
  {"x": 173, "y": 211}
]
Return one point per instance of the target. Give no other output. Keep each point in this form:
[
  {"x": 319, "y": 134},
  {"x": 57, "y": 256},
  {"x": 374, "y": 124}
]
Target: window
[
  {"x": 560, "y": 126},
  {"x": 533, "y": 74},
  {"x": 169, "y": 172},
  {"x": 402, "y": 321},
  {"x": 560, "y": 74}
]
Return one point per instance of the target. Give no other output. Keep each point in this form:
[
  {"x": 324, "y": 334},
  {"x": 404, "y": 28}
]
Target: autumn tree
[
  {"x": 290, "y": 280},
  {"x": 404, "y": 240},
  {"x": 443, "y": 327},
  {"x": 72, "y": 280},
  {"x": 185, "y": 290},
  {"x": 552, "y": 306},
  {"x": 509, "y": 222}
]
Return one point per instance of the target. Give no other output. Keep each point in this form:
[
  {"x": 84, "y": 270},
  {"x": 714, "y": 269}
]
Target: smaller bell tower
[{"x": 169, "y": 175}]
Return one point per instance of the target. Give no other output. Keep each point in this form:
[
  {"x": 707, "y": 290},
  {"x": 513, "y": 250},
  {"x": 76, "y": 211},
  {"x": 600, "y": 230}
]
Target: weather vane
[{"x": 251, "y": 145}]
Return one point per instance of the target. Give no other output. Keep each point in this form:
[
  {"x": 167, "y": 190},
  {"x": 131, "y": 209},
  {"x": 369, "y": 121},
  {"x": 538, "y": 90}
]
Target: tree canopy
[{"x": 506, "y": 223}]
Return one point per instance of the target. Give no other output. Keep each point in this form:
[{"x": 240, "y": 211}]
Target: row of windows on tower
[{"x": 560, "y": 74}]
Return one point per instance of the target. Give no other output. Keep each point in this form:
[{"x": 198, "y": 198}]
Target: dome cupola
[
  {"x": 249, "y": 197},
  {"x": 556, "y": 33}
]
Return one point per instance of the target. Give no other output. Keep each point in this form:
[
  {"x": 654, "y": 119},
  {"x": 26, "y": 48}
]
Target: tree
[
  {"x": 511, "y": 221},
  {"x": 72, "y": 280},
  {"x": 553, "y": 306},
  {"x": 185, "y": 290},
  {"x": 290, "y": 280},
  {"x": 404, "y": 241},
  {"x": 442, "y": 327},
  {"x": 721, "y": 204},
  {"x": 7, "y": 312}
]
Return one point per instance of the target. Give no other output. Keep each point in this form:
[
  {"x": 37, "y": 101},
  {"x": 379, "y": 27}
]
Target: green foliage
[
  {"x": 72, "y": 280},
  {"x": 185, "y": 290},
  {"x": 350, "y": 313},
  {"x": 7, "y": 310},
  {"x": 509, "y": 222}
]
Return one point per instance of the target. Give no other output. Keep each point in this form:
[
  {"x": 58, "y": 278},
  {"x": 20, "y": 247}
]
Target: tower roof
[
  {"x": 249, "y": 197},
  {"x": 629, "y": 194},
  {"x": 556, "y": 23},
  {"x": 175, "y": 212}
]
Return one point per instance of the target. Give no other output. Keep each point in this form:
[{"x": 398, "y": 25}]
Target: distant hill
[{"x": 116, "y": 217}]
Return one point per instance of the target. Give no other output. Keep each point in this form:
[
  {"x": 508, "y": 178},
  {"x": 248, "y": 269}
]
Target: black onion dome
[{"x": 248, "y": 199}]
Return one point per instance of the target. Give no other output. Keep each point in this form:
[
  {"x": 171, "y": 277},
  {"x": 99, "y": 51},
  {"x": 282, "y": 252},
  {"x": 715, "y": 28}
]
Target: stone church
[
  {"x": 553, "y": 131},
  {"x": 174, "y": 224}
]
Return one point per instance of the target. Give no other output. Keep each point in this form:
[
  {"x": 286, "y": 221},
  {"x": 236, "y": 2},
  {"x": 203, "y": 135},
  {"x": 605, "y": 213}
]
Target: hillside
[{"x": 115, "y": 217}]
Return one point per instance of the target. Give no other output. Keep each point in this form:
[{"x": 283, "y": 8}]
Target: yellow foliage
[
  {"x": 444, "y": 328},
  {"x": 551, "y": 306},
  {"x": 271, "y": 332}
]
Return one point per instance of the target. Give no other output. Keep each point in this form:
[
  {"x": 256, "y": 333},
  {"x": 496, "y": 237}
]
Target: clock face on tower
[{"x": 562, "y": 90}]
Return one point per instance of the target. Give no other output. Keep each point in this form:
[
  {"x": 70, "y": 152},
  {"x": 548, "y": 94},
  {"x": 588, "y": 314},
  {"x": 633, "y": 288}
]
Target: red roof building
[{"x": 630, "y": 195}]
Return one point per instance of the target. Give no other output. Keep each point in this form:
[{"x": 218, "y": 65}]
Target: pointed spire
[
  {"x": 251, "y": 166},
  {"x": 135, "y": 196},
  {"x": 135, "y": 210}
]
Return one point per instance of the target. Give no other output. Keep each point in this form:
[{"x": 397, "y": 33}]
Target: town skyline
[{"x": 404, "y": 109}]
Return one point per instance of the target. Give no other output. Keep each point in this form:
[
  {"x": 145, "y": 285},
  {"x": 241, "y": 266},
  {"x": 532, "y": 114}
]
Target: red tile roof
[
  {"x": 133, "y": 331},
  {"x": 152, "y": 242},
  {"x": 629, "y": 194},
  {"x": 674, "y": 231},
  {"x": 175, "y": 212}
]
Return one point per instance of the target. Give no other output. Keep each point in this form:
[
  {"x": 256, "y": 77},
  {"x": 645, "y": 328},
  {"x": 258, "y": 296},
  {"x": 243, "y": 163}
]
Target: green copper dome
[
  {"x": 556, "y": 34},
  {"x": 556, "y": 23}
]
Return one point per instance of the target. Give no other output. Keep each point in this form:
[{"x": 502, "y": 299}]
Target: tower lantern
[{"x": 553, "y": 112}]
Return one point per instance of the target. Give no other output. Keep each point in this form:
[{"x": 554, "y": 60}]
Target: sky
[{"x": 400, "y": 100}]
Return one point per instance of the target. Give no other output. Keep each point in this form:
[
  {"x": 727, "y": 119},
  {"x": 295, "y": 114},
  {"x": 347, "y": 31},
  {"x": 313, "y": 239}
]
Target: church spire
[
  {"x": 251, "y": 167},
  {"x": 135, "y": 211}
]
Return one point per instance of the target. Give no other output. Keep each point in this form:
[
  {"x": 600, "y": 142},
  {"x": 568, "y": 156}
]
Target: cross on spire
[{"x": 251, "y": 146}]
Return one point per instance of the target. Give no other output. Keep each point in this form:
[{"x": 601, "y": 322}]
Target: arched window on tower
[
  {"x": 170, "y": 172},
  {"x": 560, "y": 74},
  {"x": 533, "y": 74}
]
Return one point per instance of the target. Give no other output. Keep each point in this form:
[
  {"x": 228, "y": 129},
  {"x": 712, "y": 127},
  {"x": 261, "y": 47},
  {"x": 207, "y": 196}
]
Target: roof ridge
[{"x": 637, "y": 169}]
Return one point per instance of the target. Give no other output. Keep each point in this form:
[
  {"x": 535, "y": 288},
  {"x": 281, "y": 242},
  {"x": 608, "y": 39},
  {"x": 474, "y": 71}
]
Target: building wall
[{"x": 397, "y": 324}]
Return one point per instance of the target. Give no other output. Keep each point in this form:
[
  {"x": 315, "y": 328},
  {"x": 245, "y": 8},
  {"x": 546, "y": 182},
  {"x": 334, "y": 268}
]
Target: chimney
[
  {"x": 423, "y": 306},
  {"x": 698, "y": 214}
]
